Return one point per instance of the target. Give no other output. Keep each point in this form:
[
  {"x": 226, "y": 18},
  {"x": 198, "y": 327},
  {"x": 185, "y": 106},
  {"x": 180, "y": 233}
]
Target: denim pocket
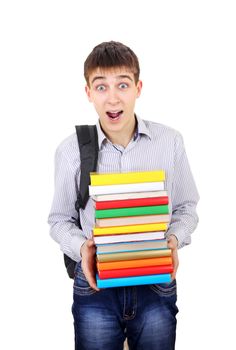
[
  {"x": 81, "y": 286},
  {"x": 165, "y": 289}
]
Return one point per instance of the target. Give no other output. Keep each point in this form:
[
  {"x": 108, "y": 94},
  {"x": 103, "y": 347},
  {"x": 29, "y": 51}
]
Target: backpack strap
[{"x": 88, "y": 145}]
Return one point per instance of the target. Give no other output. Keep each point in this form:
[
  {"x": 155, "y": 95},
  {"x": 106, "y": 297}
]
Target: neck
[{"x": 122, "y": 137}]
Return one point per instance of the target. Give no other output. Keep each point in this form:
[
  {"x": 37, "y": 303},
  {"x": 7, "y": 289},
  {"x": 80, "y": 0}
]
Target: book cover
[
  {"x": 129, "y": 237},
  {"x": 132, "y": 220},
  {"x": 129, "y": 195},
  {"x": 100, "y": 179},
  {"x": 129, "y": 203},
  {"x": 124, "y": 264},
  {"x": 101, "y": 231},
  {"x": 126, "y": 188},
  {"x": 132, "y": 281},
  {"x": 140, "y": 254},
  {"x": 135, "y": 211},
  {"x": 131, "y": 246},
  {"x": 136, "y": 271}
]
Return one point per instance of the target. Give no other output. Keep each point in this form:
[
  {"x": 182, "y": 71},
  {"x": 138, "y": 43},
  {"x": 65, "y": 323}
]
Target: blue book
[{"x": 133, "y": 281}]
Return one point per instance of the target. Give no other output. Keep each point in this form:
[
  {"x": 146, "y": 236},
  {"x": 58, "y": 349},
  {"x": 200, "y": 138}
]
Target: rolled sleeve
[
  {"x": 184, "y": 196},
  {"x": 63, "y": 215}
]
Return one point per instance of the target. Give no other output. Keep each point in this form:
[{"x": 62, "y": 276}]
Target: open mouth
[{"x": 114, "y": 115}]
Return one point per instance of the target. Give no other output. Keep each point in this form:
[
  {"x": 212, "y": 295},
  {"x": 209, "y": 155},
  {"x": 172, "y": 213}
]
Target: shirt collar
[
  {"x": 140, "y": 129},
  {"x": 101, "y": 135}
]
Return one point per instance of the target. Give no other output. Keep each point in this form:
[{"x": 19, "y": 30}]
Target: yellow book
[
  {"x": 116, "y": 230},
  {"x": 98, "y": 179}
]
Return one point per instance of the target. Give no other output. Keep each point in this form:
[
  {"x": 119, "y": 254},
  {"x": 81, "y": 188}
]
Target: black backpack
[{"x": 88, "y": 146}]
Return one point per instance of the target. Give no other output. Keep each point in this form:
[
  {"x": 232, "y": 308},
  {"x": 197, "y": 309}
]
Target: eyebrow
[
  {"x": 122, "y": 76},
  {"x": 97, "y": 78}
]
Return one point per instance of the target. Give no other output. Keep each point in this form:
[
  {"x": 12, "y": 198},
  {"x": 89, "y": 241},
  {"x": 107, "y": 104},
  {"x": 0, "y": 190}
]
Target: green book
[{"x": 133, "y": 211}]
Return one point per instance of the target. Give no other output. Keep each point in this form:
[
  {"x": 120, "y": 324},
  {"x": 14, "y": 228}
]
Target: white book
[
  {"x": 132, "y": 220},
  {"x": 131, "y": 246},
  {"x": 125, "y": 188},
  {"x": 131, "y": 237},
  {"x": 129, "y": 195}
]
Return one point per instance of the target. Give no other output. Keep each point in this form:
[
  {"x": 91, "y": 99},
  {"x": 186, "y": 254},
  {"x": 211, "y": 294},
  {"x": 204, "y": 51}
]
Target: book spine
[
  {"x": 154, "y": 253},
  {"x": 133, "y": 281},
  {"x": 132, "y": 220},
  {"x": 134, "y": 263},
  {"x": 129, "y": 237},
  {"x": 138, "y": 271},
  {"x": 97, "y": 231},
  {"x": 129, "y": 203},
  {"x": 128, "y": 196},
  {"x": 131, "y": 246},
  {"x": 126, "y": 178},
  {"x": 126, "y": 188},
  {"x": 113, "y": 213}
]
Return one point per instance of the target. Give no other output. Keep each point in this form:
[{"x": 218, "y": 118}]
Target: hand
[
  {"x": 88, "y": 252},
  {"x": 172, "y": 244}
]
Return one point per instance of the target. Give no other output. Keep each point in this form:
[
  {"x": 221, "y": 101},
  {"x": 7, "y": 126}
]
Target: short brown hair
[{"x": 111, "y": 54}]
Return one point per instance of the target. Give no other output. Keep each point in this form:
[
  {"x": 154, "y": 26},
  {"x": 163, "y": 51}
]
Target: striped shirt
[{"x": 154, "y": 146}]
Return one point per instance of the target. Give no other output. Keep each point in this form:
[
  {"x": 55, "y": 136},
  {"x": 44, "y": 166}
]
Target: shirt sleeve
[
  {"x": 184, "y": 196},
  {"x": 63, "y": 214}
]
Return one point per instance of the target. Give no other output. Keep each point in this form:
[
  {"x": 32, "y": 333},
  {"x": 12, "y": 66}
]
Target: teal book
[
  {"x": 133, "y": 211},
  {"x": 133, "y": 281}
]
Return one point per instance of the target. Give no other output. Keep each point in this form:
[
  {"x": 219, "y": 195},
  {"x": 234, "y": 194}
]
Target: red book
[
  {"x": 128, "y": 203},
  {"x": 137, "y": 271}
]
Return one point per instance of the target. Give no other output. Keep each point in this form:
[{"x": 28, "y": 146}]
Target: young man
[{"x": 146, "y": 315}]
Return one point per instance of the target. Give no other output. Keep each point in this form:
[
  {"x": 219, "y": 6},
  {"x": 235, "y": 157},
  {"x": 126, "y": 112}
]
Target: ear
[
  {"x": 88, "y": 93},
  {"x": 139, "y": 88}
]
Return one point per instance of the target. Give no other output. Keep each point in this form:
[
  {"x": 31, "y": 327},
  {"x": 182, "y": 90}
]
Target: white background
[{"x": 187, "y": 57}]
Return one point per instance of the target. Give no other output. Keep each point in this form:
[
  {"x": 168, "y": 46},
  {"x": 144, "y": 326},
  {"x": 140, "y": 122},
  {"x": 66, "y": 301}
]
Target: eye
[
  {"x": 101, "y": 88},
  {"x": 123, "y": 86}
]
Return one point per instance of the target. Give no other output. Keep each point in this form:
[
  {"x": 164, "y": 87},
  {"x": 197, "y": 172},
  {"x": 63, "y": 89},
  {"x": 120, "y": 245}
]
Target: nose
[{"x": 113, "y": 97}]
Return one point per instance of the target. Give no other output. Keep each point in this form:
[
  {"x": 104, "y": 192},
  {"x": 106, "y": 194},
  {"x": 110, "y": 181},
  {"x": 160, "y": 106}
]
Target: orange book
[{"x": 134, "y": 263}]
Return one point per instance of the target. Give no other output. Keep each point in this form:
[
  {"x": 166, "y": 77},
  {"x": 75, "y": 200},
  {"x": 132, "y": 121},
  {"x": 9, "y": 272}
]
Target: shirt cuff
[
  {"x": 76, "y": 244},
  {"x": 181, "y": 237}
]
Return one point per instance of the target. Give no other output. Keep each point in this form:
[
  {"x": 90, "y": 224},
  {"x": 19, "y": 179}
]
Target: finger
[
  {"x": 91, "y": 279},
  {"x": 175, "y": 262},
  {"x": 173, "y": 274},
  {"x": 92, "y": 283}
]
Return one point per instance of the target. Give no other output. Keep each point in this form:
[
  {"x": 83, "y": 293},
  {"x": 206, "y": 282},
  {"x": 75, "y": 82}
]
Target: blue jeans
[{"x": 143, "y": 314}]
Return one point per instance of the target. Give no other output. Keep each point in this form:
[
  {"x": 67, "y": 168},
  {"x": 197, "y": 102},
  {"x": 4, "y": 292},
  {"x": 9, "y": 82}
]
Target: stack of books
[{"x": 131, "y": 218}]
